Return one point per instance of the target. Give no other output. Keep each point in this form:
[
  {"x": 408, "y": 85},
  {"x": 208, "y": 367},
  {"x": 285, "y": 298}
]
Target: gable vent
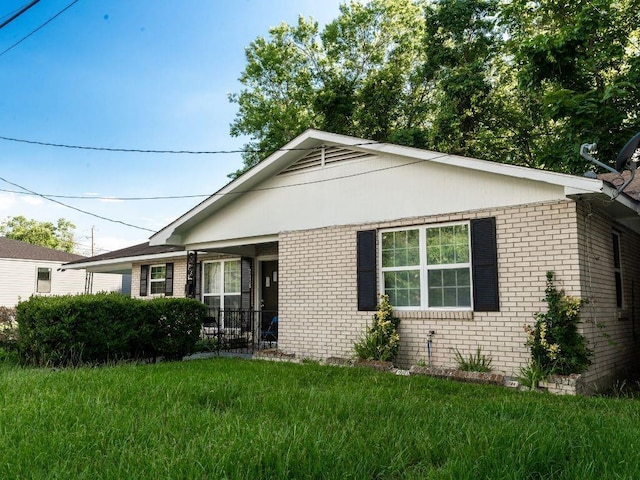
[{"x": 324, "y": 156}]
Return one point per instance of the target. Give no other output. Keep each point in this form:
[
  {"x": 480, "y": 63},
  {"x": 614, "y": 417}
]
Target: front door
[{"x": 269, "y": 300}]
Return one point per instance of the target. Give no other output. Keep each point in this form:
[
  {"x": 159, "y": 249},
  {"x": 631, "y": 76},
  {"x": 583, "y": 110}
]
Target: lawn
[{"x": 231, "y": 418}]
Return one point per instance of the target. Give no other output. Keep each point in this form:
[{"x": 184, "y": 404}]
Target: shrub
[
  {"x": 474, "y": 363},
  {"x": 556, "y": 345},
  {"x": 8, "y": 327},
  {"x": 381, "y": 340},
  {"x": 70, "y": 330}
]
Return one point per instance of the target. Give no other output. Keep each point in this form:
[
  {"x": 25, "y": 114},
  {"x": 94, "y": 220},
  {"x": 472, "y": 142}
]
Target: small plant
[
  {"x": 556, "y": 345},
  {"x": 477, "y": 362},
  {"x": 381, "y": 340},
  {"x": 532, "y": 374}
]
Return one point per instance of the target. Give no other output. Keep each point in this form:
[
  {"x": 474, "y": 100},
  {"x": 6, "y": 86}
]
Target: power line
[
  {"x": 40, "y": 27},
  {"x": 17, "y": 13},
  {"x": 76, "y": 209},
  {"x": 118, "y": 199},
  {"x": 173, "y": 152},
  {"x": 218, "y": 194}
]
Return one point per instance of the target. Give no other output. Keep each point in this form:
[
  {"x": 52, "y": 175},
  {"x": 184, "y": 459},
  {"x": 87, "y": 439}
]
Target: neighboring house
[
  {"x": 322, "y": 227},
  {"x": 27, "y": 270}
]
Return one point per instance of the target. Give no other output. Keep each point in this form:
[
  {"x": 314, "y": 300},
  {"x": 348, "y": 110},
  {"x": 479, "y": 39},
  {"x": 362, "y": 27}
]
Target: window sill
[{"x": 434, "y": 314}]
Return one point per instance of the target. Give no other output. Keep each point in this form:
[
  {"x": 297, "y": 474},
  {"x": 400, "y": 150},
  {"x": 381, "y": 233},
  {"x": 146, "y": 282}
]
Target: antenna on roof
[{"x": 627, "y": 159}]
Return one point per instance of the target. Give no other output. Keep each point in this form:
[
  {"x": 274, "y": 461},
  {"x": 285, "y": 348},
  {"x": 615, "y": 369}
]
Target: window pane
[
  {"x": 403, "y": 288},
  {"x": 449, "y": 288},
  {"x": 211, "y": 283},
  {"x": 232, "y": 302},
  {"x": 616, "y": 251},
  {"x": 158, "y": 272},
  {"x": 44, "y": 274},
  {"x": 213, "y": 304},
  {"x": 401, "y": 249},
  {"x": 156, "y": 287},
  {"x": 232, "y": 276},
  {"x": 43, "y": 283},
  {"x": 448, "y": 245}
]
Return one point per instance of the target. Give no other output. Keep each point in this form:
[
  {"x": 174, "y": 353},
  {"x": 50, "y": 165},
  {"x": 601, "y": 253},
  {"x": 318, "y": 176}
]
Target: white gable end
[
  {"x": 322, "y": 179},
  {"x": 360, "y": 189}
]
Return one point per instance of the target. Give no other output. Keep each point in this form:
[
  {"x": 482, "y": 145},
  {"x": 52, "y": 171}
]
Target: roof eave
[{"x": 118, "y": 262}]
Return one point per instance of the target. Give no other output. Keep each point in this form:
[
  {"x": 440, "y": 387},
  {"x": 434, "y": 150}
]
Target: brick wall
[
  {"x": 318, "y": 304},
  {"x": 613, "y": 333}
]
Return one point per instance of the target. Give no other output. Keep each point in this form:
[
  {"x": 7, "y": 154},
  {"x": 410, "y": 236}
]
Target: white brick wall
[{"x": 318, "y": 304}]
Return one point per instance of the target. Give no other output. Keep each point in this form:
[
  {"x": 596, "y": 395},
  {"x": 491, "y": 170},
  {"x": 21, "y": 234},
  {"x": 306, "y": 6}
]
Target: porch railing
[{"x": 240, "y": 330}]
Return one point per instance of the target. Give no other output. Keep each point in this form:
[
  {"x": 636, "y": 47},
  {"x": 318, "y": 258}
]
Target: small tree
[
  {"x": 58, "y": 236},
  {"x": 556, "y": 345},
  {"x": 381, "y": 340}
]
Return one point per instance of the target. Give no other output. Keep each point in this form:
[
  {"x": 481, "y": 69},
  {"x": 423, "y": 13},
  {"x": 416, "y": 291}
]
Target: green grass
[{"x": 228, "y": 418}]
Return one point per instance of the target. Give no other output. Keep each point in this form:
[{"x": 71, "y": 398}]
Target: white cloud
[
  {"x": 111, "y": 200},
  {"x": 7, "y": 200},
  {"x": 33, "y": 201},
  {"x": 109, "y": 243}
]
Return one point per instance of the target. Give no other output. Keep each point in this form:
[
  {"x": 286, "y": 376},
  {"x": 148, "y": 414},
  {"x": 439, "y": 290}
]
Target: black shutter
[
  {"x": 485, "y": 265},
  {"x": 168, "y": 279},
  {"x": 245, "y": 282},
  {"x": 144, "y": 279},
  {"x": 367, "y": 291}
]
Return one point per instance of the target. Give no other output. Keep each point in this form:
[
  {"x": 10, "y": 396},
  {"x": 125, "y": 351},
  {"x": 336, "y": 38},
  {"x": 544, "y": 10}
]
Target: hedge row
[{"x": 75, "y": 329}]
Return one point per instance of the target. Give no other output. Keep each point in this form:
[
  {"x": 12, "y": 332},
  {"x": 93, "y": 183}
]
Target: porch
[{"x": 241, "y": 330}]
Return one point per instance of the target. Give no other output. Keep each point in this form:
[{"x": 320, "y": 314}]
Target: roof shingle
[{"x": 10, "y": 248}]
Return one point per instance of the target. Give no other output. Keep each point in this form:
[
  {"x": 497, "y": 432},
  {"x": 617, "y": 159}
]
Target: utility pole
[
  {"x": 18, "y": 13},
  {"x": 92, "y": 242}
]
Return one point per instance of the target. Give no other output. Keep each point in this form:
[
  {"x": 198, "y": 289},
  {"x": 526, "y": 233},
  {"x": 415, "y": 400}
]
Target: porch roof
[{"x": 120, "y": 261}]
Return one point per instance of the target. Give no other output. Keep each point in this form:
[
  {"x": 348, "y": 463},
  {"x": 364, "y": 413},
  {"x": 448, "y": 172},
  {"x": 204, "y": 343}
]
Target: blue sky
[{"x": 143, "y": 74}]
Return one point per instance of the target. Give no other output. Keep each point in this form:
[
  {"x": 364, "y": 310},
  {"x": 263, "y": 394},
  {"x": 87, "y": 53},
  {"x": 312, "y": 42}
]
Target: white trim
[
  {"x": 157, "y": 280},
  {"x": 424, "y": 267},
  {"x": 38, "y": 280},
  {"x": 290, "y": 153},
  {"x": 617, "y": 248},
  {"x": 222, "y": 292},
  {"x": 235, "y": 242},
  {"x": 126, "y": 260}
]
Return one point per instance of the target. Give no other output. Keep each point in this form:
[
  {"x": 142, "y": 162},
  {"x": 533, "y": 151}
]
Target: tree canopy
[
  {"x": 58, "y": 236},
  {"x": 522, "y": 82}
]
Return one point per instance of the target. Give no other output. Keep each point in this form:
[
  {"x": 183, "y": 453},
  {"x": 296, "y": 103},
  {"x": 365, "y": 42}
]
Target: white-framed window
[
  {"x": 221, "y": 284},
  {"x": 43, "y": 281},
  {"x": 617, "y": 269},
  {"x": 427, "y": 267},
  {"x": 157, "y": 279}
]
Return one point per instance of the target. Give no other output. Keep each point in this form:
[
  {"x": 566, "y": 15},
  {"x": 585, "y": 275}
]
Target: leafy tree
[
  {"x": 462, "y": 45},
  {"x": 576, "y": 72},
  {"x": 354, "y": 77},
  {"x": 522, "y": 82},
  {"x": 58, "y": 236}
]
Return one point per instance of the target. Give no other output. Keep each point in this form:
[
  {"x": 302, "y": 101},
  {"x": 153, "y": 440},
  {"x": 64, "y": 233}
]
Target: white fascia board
[
  {"x": 126, "y": 260},
  {"x": 289, "y": 153},
  {"x": 554, "y": 178},
  {"x": 268, "y": 167},
  {"x": 237, "y": 242}
]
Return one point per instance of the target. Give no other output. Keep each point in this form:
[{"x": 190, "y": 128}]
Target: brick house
[{"x": 320, "y": 228}]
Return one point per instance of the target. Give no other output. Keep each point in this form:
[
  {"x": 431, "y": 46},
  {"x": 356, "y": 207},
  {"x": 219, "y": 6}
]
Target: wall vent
[{"x": 324, "y": 156}]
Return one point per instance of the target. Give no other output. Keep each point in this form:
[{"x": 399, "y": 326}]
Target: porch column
[{"x": 192, "y": 263}]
